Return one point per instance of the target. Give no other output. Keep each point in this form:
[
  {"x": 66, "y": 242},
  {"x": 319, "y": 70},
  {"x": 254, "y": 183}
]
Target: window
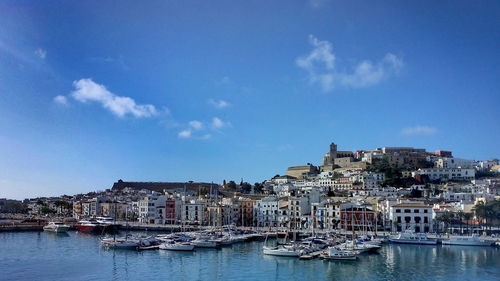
[
  {"x": 416, "y": 211},
  {"x": 426, "y": 220},
  {"x": 425, "y": 211},
  {"x": 398, "y": 210},
  {"x": 407, "y": 211}
]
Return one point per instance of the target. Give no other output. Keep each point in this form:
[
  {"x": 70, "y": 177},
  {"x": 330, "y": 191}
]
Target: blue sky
[{"x": 95, "y": 91}]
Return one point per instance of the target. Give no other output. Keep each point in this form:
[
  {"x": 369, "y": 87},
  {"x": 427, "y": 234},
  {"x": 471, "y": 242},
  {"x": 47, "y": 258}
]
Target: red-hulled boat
[{"x": 89, "y": 226}]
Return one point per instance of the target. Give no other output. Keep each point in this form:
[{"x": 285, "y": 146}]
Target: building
[
  {"x": 333, "y": 156},
  {"x": 413, "y": 216},
  {"x": 443, "y": 153},
  {"x": 172, "y": 211},
  {"x": 266, "y": 211},
  {"x": 193, "y": 212},
  {"x": 446, "y": 174},
  {"x": 244, "y": 212},
  {"x": 301, "y": 172},
  {"x": 152, "y": 209},
  {"x": 449, "y": 163},
  {"x": 360, "y": 217}
]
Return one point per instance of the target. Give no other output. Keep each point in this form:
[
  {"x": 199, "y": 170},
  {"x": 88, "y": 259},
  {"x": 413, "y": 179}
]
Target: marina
[{"x": 41, "y": 255}]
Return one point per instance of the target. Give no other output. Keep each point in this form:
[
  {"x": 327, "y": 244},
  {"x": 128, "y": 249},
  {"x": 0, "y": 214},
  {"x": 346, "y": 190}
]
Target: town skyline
[{"x": 91, "y": 93}]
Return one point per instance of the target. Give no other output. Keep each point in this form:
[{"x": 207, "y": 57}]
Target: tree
[
  {"x": 231, "y": 185},
  {"x": 480, "y": 212},
  {"x": 445, "y": 218},
  {"x": 202, "y": 191},
  {"x": 258, "y": 187},
  {"x": 467, "y": 218},
  {"x": 246, "y": 187},
  {"x": 46, "y": 210}
]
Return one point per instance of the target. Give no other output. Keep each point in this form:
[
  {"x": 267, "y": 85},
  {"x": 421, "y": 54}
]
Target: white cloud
[
  {"x": 206, "y": 137},
  {"x": 321, "y": 68},
  {"x": 185, "y": 134},
  {"x": 317, "y": 3},
  {"x": 219, "y": 103},
  {"x": 61, "y": 100},
  {"x": 87, "y": 90},
  {"x": 41, "y": 53},
  {"x": 197, "y": 125},
  {"x": 419, "y": 131},
  {"x": 217, "y": 123}
]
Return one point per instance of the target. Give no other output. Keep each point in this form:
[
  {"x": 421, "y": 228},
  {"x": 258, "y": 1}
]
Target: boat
[
  {"x": 466, "y": 241},
  {"x": 205, "y": 243},
  {"x": 120, "y": 243},
  {"x": 408, "y": 237},
  {"x": 282, "y": 251},
  {"x": 360, "y": 247},
  {"x": 176, "y": 246},
  {"x": 334, "y": 253},
  {"x": 109, "y": 223},
  {"x": 89, "y": 226},
  {"x": 55, "y": 226}
]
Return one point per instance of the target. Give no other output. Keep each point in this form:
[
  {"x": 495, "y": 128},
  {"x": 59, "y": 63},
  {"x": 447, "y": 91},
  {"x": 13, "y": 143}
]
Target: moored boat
[
  {"x": 55, "y": 226},
  {"x": 176, "y": 246},
  {"x": 334, "y": 253},
  {"x": 409, "y": 237},
  {"x": 282, "y": 251},
  {"x": 466, "y": 241}
]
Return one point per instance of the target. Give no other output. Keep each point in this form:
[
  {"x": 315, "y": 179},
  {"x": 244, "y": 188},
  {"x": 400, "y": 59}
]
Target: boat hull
[
  {"x": 466, "y": 243},
  {"x": 177, "y": 247},
  {"x": 59, "y": 229},
  {"x": 416, "y": 242},
  {"x": 281, "y": 253}
]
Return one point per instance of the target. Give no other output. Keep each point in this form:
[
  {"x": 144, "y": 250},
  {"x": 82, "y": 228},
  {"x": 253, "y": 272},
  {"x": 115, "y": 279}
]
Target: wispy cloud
[
  {"x": 218, "y": 123},
  {"x": 317, "y": 3},
  {"x": 87, "y": 90},
  {"x": 41, "y": 53},
  {"x": 219, "y": 103},
  {"x": 419, "y": 131},
  {"x": 321, "y": 69},
  {"x": 196, "y": 125},
  {"x": 185, "y": 134},
  {"x": 117, "y": 60},
  {"x": 197, "y": 129},
  {"x": 61, "y": 100}
]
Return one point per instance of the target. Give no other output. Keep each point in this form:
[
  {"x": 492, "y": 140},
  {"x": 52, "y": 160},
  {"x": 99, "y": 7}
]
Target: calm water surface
[{"x": 49, "y": 256}]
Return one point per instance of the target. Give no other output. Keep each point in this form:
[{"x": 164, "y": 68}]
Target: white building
[
  {"x": 447, "y": 174},
  {"x": 266, "y": 211},
  {"x": 449, "y": 163},
  {"x": 193, "y": 212},
  {"x": 152, "y": 209},
  {"x": 413, "y": 216}
]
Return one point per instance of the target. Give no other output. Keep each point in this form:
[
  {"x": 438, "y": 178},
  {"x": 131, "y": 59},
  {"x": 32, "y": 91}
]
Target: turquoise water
[{"x": 48, "y": 256}]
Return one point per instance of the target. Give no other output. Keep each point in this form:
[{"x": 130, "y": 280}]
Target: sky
[{"x": 96, "y": 91}]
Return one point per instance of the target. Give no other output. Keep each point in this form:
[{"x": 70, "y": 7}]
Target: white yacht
[
  {"x": 205, "y": 243},
  {"x": 120, "y": 243},
  {"x": 282, "y": 251},
  {"x": 409, "y": 237},
  {"x": 334, "y": 253},
  {"x": 176, "y": 246},
  {"x": 359, "y": 247},
  {"x": 55, "y": 226},
  {"x": 466, "y": 241}
]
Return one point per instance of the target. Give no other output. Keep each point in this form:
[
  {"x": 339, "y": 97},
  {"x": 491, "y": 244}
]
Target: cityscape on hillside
[
  {"x": 249, "y": 140},
  {"x": 383, "y": 182}
]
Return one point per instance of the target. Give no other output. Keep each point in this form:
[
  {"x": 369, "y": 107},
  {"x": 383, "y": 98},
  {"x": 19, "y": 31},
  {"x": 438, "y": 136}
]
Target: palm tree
[
  {"x": 467, "y": 217},
  {"x": 480, "y": 212},
  {"x": 460, "y": 217},
  {"x": 445, "y": 218}
]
